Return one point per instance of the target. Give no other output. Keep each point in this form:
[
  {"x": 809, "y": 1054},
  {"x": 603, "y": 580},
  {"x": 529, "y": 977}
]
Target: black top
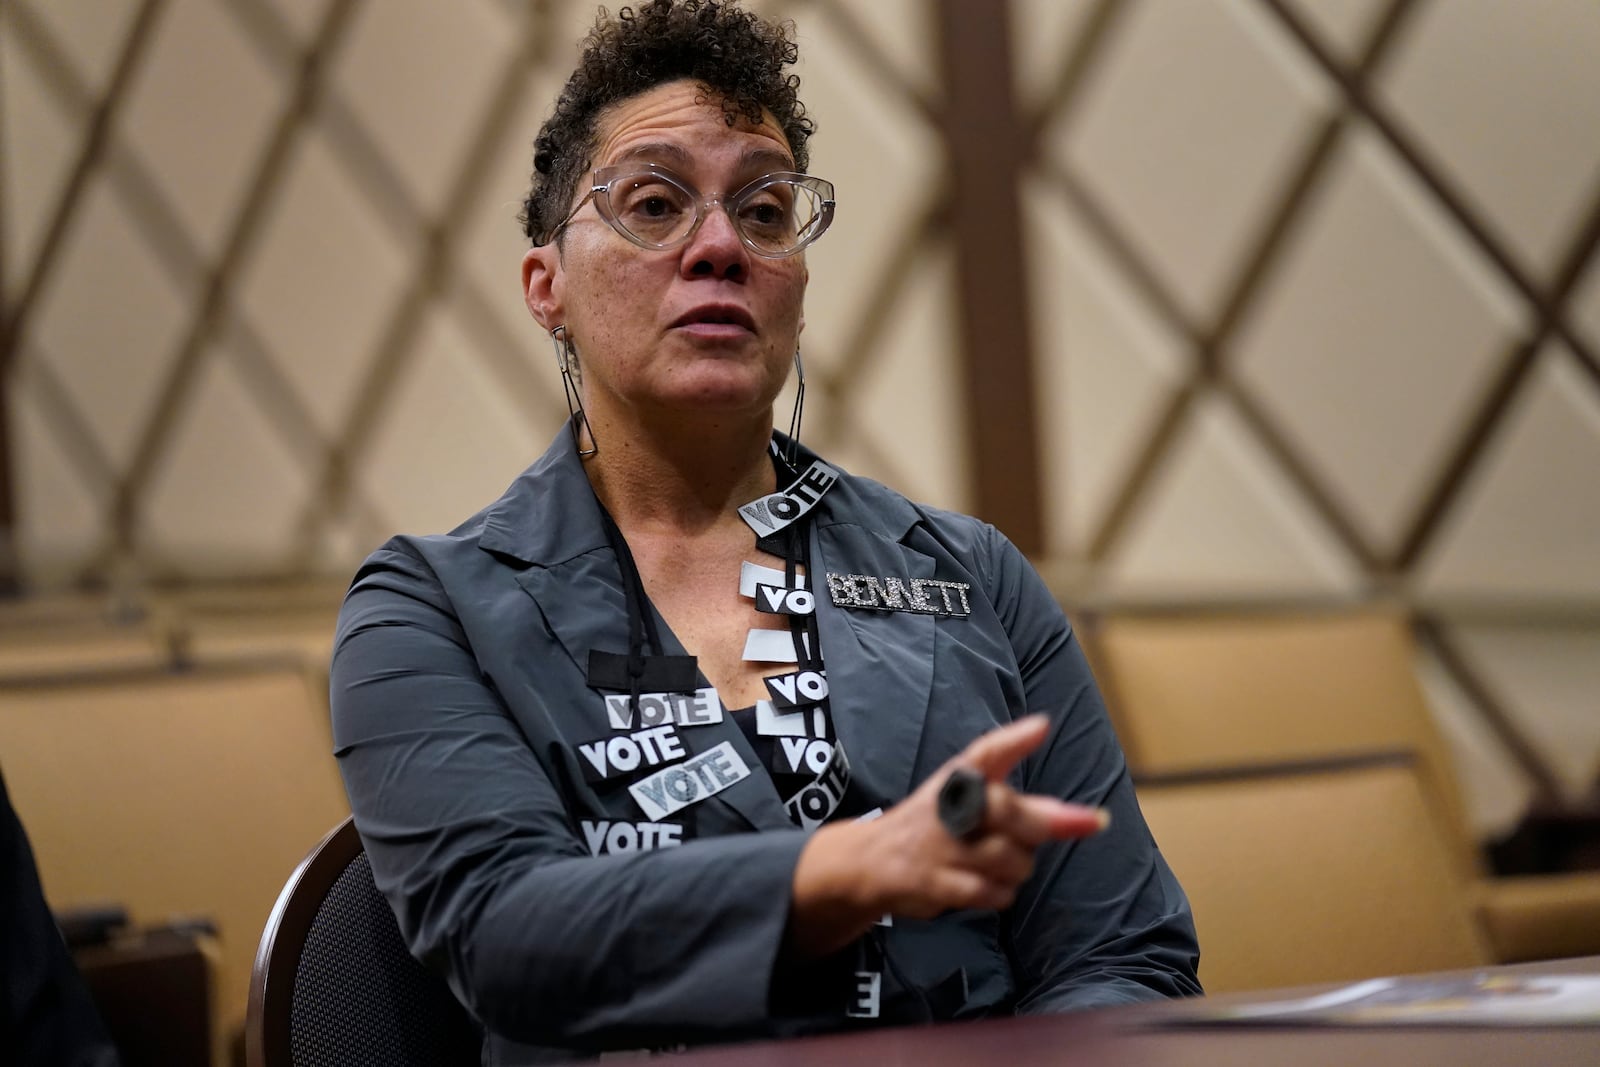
[{"x": 46, "y": 1016}]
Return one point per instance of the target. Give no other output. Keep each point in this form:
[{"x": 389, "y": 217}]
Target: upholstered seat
[
  {"x": 1208, "y": 692},
  {"x": 1313, "y": 874}
]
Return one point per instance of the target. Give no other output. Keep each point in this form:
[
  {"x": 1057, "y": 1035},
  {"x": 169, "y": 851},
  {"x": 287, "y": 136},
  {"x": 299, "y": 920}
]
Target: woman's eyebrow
[
  {"x": 766, "y": 159},
  {"x": 762, "y": 159},
  {"x": 655, "y": 152}
]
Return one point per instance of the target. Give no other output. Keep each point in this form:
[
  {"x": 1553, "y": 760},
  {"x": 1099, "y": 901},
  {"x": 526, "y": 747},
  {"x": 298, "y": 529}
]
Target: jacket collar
[{"x": 550, "y": 514}]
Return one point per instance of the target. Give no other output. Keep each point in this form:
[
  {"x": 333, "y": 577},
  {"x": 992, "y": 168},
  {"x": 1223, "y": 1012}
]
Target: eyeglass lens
[{"x": 774, "y": 216}]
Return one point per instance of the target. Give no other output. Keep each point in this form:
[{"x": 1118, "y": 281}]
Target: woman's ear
[{"x": 541, "y": 285}]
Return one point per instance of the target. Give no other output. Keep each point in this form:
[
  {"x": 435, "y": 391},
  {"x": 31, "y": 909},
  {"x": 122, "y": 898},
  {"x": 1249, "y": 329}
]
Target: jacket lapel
[
  {"x": 551, "y": 520},
  {"x": 583, "y": 604},
  {"x": 884, "y": 656},
  {"x": 755, "y": 799}
]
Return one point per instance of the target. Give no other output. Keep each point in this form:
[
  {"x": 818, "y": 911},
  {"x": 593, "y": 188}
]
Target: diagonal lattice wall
[{"x": 1315, "y": 305}]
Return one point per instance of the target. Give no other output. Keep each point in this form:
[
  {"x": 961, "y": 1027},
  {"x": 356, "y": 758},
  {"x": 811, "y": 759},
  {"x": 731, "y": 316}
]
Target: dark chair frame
[
  {"x": 270, "y": 1016},
  {"x": 271, "y": 1005}
]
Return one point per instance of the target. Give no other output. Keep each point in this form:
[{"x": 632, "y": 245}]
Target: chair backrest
[
  {"x": 1201, "y": 693},
  {"x": 333, "y": 983},
  {"x": 1316, "y": 873}
]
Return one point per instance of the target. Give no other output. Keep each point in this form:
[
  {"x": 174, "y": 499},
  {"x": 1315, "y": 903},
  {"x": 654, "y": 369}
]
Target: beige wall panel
[
  {"x": 1549, "y": 682},
  {"x": 1219, "y": 520},
  {"x": 491, "y": 243},
  {"x": 901, "y": 31},
  {"x": 38, "y": 144},
  {"x": 175, "y": 796},
  {"x": 78, "y": 649},
  {"x": 109, "y": 322},
  {"x": 1366, "y": 344},
  {"x": 1507, "y": 95},
  {"x": 904, "y": 420},
  {"x": 885, "y": 164},
  {"x": 1495, "y": 790},
  {"x": 450, "y": 440},
  {"x": 1187, "y": 126},
  {"x": 302, "y": 636},
  {"x": 199, "y": 112},
  {"x": 569, "y": 22},
  {"x": 59, "y": 518},
  {"x": 1528, "y": 523},
  {"x": 1043, "y": 34},
  {"x": 340, "y": 538},
  {"x": 1376, "y": 339},
  {"x": 227, "y": 491},
  {"x": 303, "y": 16},
  {"x": 1586, "y": 304},
  {"x": 90, "y": 32},
  {"x": 1343, "y": 25},
  {"x": 419, "y": 74},
  {"x": 1105, "y": 366},
  {"x": 326, "y": 275}
]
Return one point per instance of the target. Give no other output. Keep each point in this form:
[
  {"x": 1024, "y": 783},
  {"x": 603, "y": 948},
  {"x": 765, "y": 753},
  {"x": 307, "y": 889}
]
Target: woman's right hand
[{"x": 906, "y": 863}]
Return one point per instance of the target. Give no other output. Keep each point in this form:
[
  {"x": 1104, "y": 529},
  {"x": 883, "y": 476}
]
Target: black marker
[{"x": 963, "y": 802}]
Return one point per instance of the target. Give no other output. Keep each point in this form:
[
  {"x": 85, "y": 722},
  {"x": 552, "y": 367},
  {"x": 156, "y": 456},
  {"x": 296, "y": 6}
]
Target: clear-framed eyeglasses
[{"x": 775, "y": 216}]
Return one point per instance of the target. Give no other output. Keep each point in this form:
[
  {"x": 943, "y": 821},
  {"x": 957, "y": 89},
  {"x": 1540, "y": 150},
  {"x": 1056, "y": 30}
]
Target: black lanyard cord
[
  {"x": 647, "y": 662},
  {"x": 808, "y": 647},
  {"x": 642, "y": 630},
  {"x": 797, "y": 554}
]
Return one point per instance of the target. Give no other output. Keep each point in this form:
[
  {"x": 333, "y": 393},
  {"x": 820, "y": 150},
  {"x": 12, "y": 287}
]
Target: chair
[
  {"x": 1205, "y": 693},
  {"x": 1313, "y": 873},
  {"x": 333, "y": 983}
]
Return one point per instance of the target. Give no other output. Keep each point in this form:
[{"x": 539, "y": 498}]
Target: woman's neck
[{"x": 683, "y": 476}]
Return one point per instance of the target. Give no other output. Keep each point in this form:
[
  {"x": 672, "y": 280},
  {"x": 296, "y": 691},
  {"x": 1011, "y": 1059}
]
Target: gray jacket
[{"x": 460, "y": 702}]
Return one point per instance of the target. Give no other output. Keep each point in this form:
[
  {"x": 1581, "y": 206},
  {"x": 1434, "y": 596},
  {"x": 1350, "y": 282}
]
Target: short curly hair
[{"x": 738, "y": 56}]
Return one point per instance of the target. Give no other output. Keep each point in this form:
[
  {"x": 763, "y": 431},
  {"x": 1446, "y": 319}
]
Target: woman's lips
[
  {"x": 714, "y": 330},
  {"x": 716, "y": 320}
]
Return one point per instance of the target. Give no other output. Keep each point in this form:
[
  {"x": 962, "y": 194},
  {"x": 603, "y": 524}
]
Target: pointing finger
[
  {"x": 996, "y": 752},
  {"x": 1032, "y": 820}
]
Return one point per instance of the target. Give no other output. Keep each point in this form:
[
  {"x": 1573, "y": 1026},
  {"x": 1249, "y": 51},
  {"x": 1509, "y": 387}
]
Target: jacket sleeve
[
  {"x": 1101, "y": 921},
  {"x": 471, "y": 841}
]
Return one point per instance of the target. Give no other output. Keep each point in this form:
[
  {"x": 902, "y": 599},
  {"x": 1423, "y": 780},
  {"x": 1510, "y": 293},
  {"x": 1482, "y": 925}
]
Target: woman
[{"x": 650, "y": 750}]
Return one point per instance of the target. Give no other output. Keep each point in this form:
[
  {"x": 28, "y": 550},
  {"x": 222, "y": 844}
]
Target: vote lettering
[
  {"x": 689, "y": 782},
  {"x": 818, "y": 479},
  {"x": 794, "y": 755},
  {"x": 797, "y": 688},
  {"x": 774, "y": 511},
  {"x": 865, "y": 995},
  {"x": 780, "y": 600},
  {"x": 608, "y": 837},
  {"x": 699, "y": 708},
  {"x": 811, "y": 806},
  {"x": 610, "y": 757}
]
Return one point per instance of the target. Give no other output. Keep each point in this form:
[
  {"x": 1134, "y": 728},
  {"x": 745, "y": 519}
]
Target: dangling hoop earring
[
  {"x": 799, "y": 409},
  {"x": 575, "y": 412}
]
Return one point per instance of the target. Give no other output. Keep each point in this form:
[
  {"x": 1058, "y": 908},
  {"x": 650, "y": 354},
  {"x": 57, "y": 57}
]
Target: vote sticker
[{"x": 689, "y": 782}]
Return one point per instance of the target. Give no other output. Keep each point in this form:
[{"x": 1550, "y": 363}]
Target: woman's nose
[{"x": 715, "y": 250}]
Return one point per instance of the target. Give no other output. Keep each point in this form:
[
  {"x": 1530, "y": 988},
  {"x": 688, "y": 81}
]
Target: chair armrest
[{"x": 1541, "y": 916}]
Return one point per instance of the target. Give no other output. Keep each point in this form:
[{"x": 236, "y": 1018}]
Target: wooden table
[{"x": 1134, "y": 1037}]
